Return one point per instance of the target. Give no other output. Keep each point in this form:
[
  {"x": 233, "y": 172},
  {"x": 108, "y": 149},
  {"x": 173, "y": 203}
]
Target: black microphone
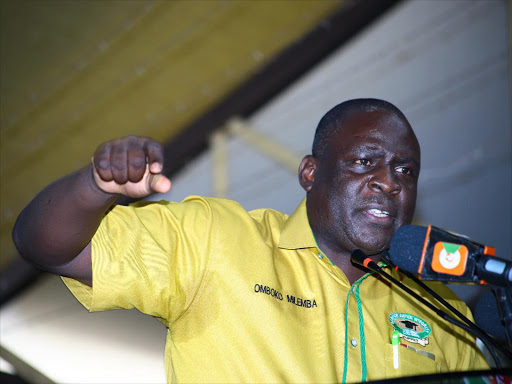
[
  {"x": 436, "y": 254},
  {"x": 487, "y": 316},
  {"x": 360, "y": 258}
]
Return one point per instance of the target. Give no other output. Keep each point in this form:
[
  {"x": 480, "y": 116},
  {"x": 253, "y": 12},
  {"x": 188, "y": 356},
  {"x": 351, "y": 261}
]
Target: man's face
[{"x": 364, "y": 187}]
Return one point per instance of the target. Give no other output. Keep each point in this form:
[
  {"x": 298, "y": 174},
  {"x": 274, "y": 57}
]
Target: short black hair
[{"x": 331, "y": 122}]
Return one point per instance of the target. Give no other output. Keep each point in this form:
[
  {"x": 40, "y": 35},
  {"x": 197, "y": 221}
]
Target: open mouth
[{"x": 378, "y": 213}]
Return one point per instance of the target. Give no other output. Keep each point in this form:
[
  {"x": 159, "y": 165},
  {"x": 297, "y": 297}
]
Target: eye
[
  {"x": 405, "y": 170},
  {"x": 365, "y": 162}
]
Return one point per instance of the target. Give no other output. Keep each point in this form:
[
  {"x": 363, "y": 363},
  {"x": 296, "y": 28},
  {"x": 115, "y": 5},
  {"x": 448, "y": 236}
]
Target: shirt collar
[{"x": 296, "y": 232}]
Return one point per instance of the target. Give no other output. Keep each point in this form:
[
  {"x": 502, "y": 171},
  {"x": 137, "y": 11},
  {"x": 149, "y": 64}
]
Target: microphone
[
  {"x": 436, "y": 254},
  {"x": 487, "y": 316}
]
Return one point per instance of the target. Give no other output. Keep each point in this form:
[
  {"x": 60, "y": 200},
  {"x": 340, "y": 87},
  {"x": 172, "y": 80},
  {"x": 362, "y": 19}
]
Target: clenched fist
[{"x": 130, "y": 166}]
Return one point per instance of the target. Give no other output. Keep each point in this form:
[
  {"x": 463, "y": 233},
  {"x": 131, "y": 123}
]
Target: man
[{"x": 256, "y": 296}]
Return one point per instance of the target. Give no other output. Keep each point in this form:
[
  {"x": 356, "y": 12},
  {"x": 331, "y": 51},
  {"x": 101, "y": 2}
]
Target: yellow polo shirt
[{"x": 248, "y": 297}]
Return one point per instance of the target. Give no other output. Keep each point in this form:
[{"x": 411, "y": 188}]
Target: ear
[{"x": 307, "y": 169}]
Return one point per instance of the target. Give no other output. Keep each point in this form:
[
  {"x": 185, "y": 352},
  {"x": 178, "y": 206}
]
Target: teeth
[{"x": 378, "y": 212}]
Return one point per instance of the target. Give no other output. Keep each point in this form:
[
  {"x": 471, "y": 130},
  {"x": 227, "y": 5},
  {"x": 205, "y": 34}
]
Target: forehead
[{"x": 376, "y": 130}]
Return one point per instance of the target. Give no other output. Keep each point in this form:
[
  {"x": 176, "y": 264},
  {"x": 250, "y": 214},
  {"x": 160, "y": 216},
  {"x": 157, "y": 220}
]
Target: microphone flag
[{"x": 450, "y": 258}]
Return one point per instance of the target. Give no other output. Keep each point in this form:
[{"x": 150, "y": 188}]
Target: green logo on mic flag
[{"x": 451, "y": 248}]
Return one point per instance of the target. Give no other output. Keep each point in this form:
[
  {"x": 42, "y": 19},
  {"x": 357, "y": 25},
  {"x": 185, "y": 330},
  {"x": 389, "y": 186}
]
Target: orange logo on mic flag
[{"x": 450, "y": 258}]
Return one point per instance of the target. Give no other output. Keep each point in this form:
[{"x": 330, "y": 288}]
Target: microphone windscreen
[
  {"x": 407, "y": 246},
  {"x": 487, "y": 316}
]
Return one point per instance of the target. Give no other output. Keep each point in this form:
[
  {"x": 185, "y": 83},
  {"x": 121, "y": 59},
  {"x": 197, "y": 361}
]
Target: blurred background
[{"x": 234, "y": 90}]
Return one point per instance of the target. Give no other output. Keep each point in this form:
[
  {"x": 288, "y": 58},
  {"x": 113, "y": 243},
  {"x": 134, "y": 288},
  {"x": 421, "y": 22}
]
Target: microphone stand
[
  {"x": 504, "y": 301},
  {"x": 460, "y": 315},
  {"x": 359, "y": 257}
]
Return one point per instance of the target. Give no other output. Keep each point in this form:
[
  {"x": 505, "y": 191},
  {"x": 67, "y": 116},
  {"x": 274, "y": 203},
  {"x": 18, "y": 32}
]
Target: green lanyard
[
  {"x": 361, "y": 331},
  {"x": 382, "y": 263}
]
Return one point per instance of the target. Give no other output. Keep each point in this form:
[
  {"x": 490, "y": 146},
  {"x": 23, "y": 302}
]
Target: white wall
[{"x": 445, "y": 65}]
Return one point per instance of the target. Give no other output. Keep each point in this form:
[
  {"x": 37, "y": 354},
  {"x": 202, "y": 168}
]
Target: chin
[
  {"x": 373, "y": 239},
  {"x": 373, "y": 251},
  {"x": 374, "y": 247}
]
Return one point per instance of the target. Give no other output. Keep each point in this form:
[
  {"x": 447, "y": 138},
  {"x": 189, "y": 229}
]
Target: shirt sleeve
[{"x": 151, "y": 256}]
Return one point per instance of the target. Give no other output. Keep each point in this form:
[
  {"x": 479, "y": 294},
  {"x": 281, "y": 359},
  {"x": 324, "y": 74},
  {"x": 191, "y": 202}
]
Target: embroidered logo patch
[{"x": 411, "y": 328}]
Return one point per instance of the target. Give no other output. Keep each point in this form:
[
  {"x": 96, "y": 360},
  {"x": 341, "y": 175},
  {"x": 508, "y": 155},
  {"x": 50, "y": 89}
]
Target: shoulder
[
  {"x": 269, "y": 216},
  {"x": 197, "y": 206},
  {"x": 191, "y": 204},
  {"x": 225, "y": 207}
]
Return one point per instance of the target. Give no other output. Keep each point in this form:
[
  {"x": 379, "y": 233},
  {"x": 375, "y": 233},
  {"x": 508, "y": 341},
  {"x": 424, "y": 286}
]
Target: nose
[{"x": 384, "y": 180}]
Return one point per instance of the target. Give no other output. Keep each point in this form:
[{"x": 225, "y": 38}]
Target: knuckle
[
  {"x": 133, "y": 141},
  {"x": 102, "y": 164},
  {"x": 102, "y": 149},
  {"x": 137, "y": 164},
  {"x": 118, "y": 165},
  {"x": 154, "y": 145}
]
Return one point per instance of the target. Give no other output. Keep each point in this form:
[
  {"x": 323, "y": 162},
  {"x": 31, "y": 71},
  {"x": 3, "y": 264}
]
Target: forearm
[{"x": 61, "y": 220}]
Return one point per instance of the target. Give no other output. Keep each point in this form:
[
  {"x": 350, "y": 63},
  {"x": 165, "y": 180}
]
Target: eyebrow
[
  {"x": 378, "y": 150},
  {"x": 408, "y": 160}
]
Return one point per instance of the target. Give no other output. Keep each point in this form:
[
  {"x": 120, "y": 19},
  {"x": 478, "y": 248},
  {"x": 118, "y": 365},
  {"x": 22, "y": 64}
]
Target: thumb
[{"x": 159, "y": 183}]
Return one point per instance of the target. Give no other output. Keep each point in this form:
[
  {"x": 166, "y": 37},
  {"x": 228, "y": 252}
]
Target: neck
[{"x": 342, "y": 260}]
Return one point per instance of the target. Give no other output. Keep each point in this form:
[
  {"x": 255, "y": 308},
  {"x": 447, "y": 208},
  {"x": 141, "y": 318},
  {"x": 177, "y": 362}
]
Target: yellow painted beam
[
  {"x": 220, "y": 164},
  {"x": 278, "y": 152}
]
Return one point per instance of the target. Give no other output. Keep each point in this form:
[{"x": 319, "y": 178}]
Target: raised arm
[{"x": 54, "y": 230}]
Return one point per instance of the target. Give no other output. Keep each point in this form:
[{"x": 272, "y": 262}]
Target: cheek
[
  {"x": 408, "y": 204},
  {"x": 337, "y": 191},
  {"x": 342, "y": 197}
]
